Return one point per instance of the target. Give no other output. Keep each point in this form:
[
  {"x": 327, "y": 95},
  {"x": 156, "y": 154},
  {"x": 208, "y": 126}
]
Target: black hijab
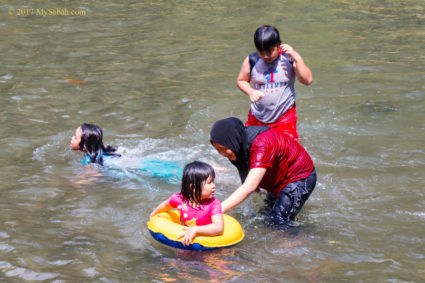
[{"x": 232, "y": 133}]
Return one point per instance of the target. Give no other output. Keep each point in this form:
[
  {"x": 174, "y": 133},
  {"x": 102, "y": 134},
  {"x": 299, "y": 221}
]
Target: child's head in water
[
  {"x": 89, "y": 139},
  {"x": 198, "y": 182},
  {"x": 267, "y": 41}
]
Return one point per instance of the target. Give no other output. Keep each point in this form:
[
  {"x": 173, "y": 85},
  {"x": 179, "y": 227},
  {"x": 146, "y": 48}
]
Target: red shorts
[{"x": 286, "y": 124}]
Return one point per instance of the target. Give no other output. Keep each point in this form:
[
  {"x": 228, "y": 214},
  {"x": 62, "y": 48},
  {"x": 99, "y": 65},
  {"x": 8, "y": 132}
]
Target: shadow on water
[{"x": 376, "y": 108}]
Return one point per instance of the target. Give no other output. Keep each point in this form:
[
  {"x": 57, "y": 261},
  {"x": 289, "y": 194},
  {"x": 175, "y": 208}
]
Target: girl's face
[
  {"x": 270, "y": 55},
  {"x": 224, "y": 151},
  {"x": 76, "y": 139},
  {"x": 208, "y": 189}
]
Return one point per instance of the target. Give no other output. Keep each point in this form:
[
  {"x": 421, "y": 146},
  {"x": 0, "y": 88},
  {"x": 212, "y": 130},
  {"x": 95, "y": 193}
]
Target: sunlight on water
[{"x": 156, "y": 76}]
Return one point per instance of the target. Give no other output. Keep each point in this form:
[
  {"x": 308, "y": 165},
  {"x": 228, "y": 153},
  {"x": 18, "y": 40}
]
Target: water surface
[{"x": 156, "y": 76}]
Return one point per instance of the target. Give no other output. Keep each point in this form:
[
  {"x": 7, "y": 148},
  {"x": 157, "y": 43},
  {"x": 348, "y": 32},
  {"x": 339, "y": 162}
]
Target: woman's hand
[{"x": 251, "y": 183}]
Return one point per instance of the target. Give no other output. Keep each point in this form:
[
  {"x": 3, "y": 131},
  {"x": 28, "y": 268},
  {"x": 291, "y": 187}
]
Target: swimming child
[
  {"x": 272, "y": 71},
  {"x": 198, "y": 208},
  {"x": 89, "y": 139}
]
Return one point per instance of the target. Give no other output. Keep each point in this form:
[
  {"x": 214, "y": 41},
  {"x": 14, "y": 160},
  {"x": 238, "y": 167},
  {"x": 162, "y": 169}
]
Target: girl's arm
[
  {"x": 251, "y": 183},
  {"x": 213, "y": 229},
  {"x": 164, "y": 206},
  {"x": 303, "y": 73},
  {"x": 243, "y": 80}
]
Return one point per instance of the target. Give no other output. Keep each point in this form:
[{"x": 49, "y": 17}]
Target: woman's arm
[
  {"x": 213, "y": 229},
  {"x": 250, "y": 185},
  {"x": 164, "y": 206},
  {"x": 243, "y": 80},
  {"x": 303, "y": 73}
]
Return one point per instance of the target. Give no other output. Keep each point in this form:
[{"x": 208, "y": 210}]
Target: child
[
  {"x": 89, "y": 139},
  {"x": 272, "y": 70},
  {"x": 198, "y": 208}
]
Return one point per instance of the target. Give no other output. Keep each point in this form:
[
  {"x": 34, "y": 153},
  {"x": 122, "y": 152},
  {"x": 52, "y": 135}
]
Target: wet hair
[
  {"x": 92, "y": 143},
  {"x": 266, "y": 37},
  {"x": 195, "y": 174}
]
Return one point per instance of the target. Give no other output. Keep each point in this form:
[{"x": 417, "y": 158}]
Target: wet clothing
[
  {"x": 291, "y": 199},
  {"x": 106, "y": 159},
  {"x": 288, "y": 164},
  {"x": 286, "y": 160},
  {"x": 276, "y": 80},
  {"x": 195, "y": 216},
  {"x": 287, "y": 124},
  {"x": 163, "y": 169}
]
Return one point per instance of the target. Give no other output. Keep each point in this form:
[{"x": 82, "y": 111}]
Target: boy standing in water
[{"x": 272, "y": 71}]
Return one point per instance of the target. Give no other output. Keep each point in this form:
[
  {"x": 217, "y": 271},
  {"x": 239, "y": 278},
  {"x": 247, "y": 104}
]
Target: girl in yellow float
[{"x": 200, "y": 212}]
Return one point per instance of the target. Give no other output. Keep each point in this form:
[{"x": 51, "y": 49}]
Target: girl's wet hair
[
  {"x": 266, "y": 37},
  {"x": 92, "y": 143},
  {"x": 195, "y": 174}
]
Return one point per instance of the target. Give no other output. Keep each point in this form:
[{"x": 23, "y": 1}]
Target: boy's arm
[
  {"x": 243, "y": 80},
  {"x": 303, "y": 73}
]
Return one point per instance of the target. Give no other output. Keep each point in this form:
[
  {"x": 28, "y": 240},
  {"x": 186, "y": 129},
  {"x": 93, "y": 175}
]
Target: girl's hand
[
  {"x": 152, "y": 214},
  {"x": 188, "y": 236},
  {"x": 164, "y": 206},
  {"x": 255, "y": 95}
]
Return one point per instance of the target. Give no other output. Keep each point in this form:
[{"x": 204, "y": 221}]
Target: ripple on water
[
  {"x": 6, "y": 247},
  {"x": 91, "y": 272},
  {"x": 40, "y": 193},
  {"x": 4, "y": 235},
  {"x": 417, "y": 214},
  {"x": 5, "y": 78},
  {"x": 45, "y": 262},
  {"x": 26, "y": 274},
  {"x": 127, "y": 169}
]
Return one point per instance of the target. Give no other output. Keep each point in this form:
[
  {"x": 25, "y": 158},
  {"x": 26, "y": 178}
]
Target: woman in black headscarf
[{"x": 268, "y": 159}]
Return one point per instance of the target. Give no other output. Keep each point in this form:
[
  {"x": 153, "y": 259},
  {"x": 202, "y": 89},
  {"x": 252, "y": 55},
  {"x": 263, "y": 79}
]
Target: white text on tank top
[{"x": 276, "y": 81}]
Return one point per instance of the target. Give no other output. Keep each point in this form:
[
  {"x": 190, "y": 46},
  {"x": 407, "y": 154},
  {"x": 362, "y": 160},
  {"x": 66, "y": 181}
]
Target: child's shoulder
[
  {"x": 177, "y": 197},
  {"x": 253, "y": 59},
  {"x": 87, "y": 160},
  {"x": 212, "y": 202}
]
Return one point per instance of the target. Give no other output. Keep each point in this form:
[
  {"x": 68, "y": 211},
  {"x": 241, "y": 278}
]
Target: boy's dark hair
[
  {"x": 266, "y": 37},
  {"x": 195, "y": 174},
  {"x": 92, "y": 143}
]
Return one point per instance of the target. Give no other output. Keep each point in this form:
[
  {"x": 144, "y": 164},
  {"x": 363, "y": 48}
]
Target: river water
[{"x": 155, "y": 75}]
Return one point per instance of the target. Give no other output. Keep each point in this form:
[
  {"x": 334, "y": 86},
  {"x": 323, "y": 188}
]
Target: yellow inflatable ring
[{"x": 165, "y": 227}]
